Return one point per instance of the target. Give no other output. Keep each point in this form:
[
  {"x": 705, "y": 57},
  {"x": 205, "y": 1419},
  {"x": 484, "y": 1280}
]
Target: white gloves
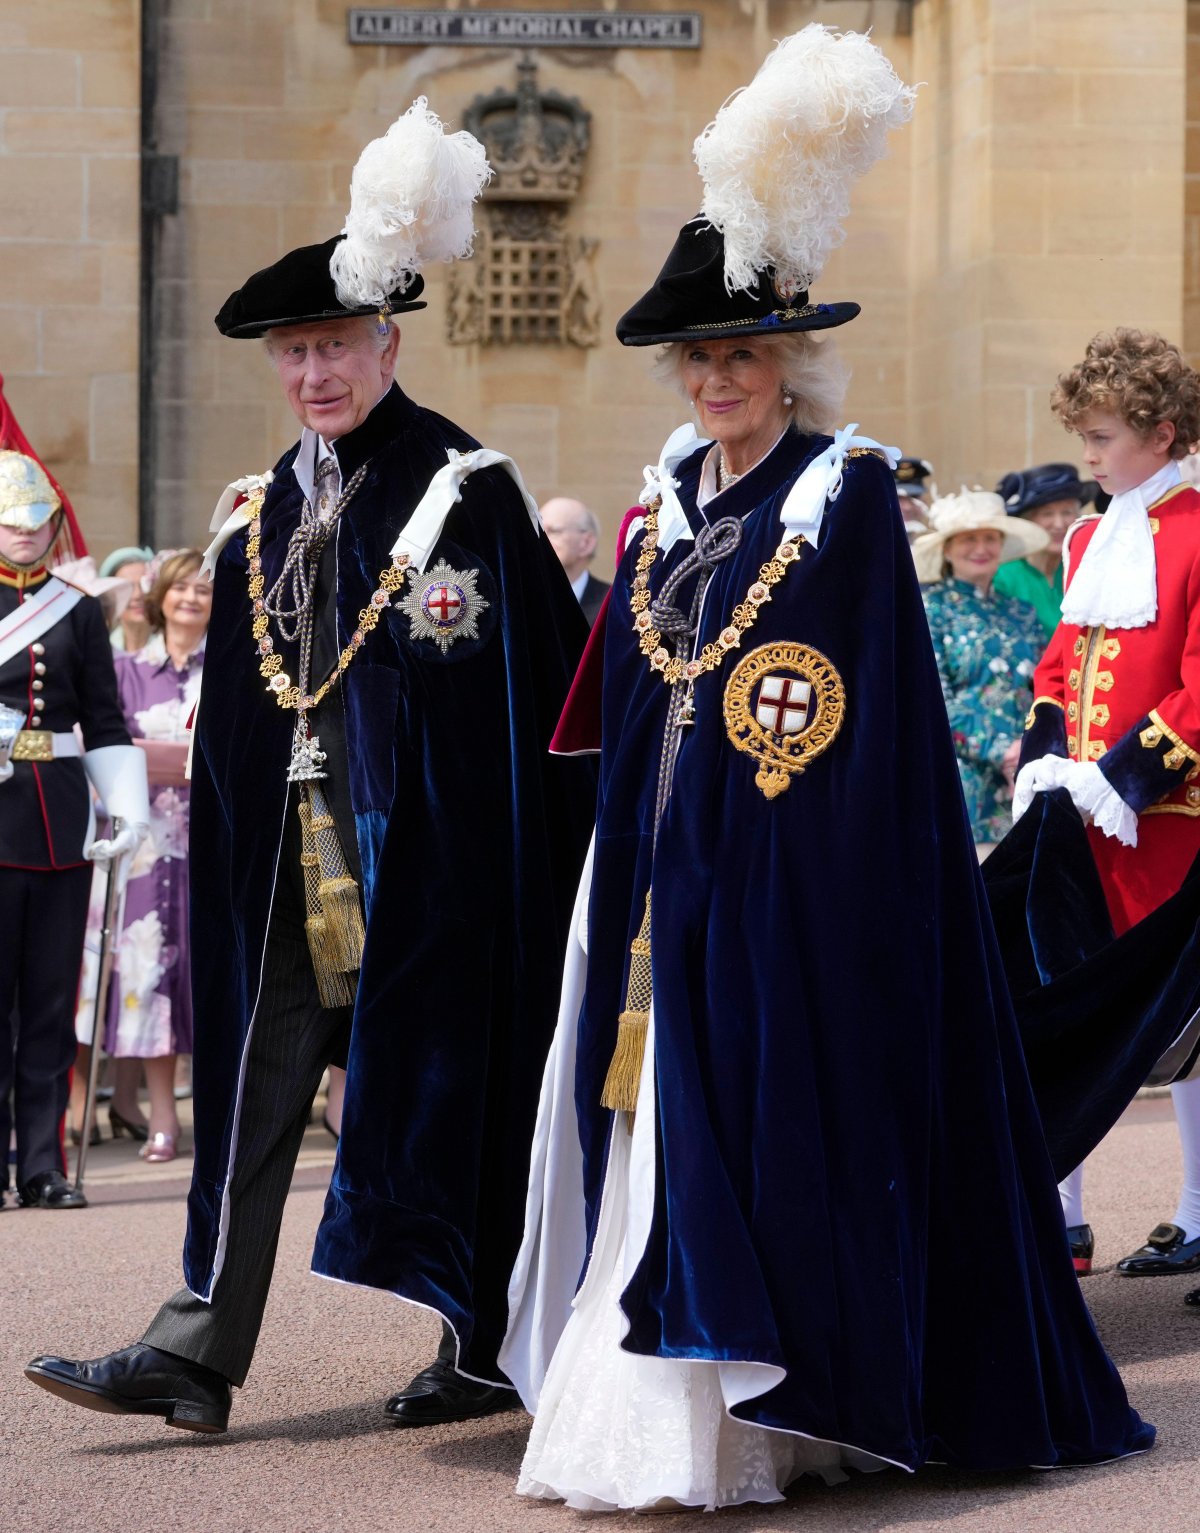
[
  {"x": 118, "y": 774},
  {"x": 1091, "y": 792},
  {"x": 127, "y": 840}
]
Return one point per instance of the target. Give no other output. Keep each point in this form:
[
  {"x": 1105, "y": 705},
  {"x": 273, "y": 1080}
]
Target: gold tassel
[
  {"x": 334, "y": 924},
  {"x": 625, "y": 1069},
  {"x": 335, "y": 987},
  {"x": 344, "y": 931}
]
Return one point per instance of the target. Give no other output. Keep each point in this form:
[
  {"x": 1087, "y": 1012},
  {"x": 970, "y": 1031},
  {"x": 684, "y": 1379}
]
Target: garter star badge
[
  {"x": 784, "y": 704},
  {"x": 443, "y": 605}
]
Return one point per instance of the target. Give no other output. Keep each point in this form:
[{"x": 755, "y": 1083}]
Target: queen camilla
[{"x": 785, "y": 1061}]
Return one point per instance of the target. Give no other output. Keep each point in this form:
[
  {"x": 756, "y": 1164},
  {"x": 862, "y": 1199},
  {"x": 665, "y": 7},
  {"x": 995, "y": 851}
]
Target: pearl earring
[{"x": 787, "y": 398}]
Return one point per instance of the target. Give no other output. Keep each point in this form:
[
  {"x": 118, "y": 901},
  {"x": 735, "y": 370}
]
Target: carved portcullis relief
[{"x": 529, "y": 279}]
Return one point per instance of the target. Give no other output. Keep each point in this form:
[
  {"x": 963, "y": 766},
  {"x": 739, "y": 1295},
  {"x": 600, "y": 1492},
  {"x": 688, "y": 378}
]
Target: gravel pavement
[{"x": 308, "y": 1447}]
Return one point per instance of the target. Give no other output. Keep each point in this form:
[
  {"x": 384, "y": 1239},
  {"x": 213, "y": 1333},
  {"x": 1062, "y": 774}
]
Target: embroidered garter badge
[
  {"x": 784, "y": 705},
  {"x": 443, "y": 605}
]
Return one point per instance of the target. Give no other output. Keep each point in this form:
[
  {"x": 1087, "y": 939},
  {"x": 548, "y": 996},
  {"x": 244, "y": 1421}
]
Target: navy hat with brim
[
  {"x": 1040, "y": 486},
  {"x": 299, "y": 290},
  {"x": 912, "y": 476},
  {"x": 689, "y": 300}
]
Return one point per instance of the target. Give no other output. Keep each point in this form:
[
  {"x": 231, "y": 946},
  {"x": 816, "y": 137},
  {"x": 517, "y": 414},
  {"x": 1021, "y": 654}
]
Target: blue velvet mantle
[
  {"x": 842, "y": 1102},
  {"x": 1095, "y": 1011},
  {"x": 471, "y": 838}
]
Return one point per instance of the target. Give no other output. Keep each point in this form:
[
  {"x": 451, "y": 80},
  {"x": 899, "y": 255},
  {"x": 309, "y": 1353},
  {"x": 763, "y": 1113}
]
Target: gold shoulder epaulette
[{"x": 865, "y": 452}]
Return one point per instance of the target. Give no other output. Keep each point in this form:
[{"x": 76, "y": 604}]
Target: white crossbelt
[
  {"x": 62, "y": 744},
  {"x": 36, "y": 615}
]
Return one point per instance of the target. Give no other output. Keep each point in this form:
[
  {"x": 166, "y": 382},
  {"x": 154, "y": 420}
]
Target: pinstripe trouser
[{"x": 293, "y": 1041}]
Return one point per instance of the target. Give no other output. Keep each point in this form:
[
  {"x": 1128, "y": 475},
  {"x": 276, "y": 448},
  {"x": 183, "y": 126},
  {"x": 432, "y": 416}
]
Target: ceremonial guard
[
  {"x": 56, "y": 673},
  {"x": 385, "y": 852},
  {"x": 913, "y": 478},
  {"x": 1116, "y": 715},
  {"x": 785, "y": 1060}
]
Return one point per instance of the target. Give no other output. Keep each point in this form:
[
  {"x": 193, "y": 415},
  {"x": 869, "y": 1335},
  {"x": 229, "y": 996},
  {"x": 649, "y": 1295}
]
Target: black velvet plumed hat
[
  {"x": 299, "y": 290},
  {"x": 690, "y": 302},
  {"x": 777, "y": 164}
]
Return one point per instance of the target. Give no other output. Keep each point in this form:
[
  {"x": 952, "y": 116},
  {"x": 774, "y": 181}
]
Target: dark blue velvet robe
[
  {"x": 841, "y": 1095},
  {"x": 471, "y": 838},
  {"x": 1095, "y": 1011}
]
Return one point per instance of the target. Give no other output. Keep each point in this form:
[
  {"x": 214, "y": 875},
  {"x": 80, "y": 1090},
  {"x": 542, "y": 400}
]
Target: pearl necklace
[{"x": 725, "y": 475}]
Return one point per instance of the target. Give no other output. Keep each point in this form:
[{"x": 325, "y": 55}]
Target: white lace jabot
[{"x": 1116, "y": 583}]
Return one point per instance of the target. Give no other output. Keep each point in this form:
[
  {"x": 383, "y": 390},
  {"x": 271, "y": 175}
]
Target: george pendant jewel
[
  {"x": 744, "y": 616},
  {"x": 443, "y": 605},
  {"x": 307, "y": 755}
]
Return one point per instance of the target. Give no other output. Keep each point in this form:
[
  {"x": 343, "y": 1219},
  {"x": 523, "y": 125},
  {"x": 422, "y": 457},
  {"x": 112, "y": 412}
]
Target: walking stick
[{"x": 100, "y": 1008}]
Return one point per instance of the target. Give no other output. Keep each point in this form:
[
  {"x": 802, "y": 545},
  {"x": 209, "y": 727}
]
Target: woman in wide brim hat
[
  {"x": 972, "y": 511},
  {"x": 754, "y": 1139},
  {"x": 987, "y": 646}
]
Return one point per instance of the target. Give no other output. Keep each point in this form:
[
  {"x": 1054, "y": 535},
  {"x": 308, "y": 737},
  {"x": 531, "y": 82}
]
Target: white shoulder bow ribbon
[
  {"x": 228, "y": 519},
  {"x": 821, "y": 482},
  {"x": 424, "y": 526},
  {"x": 661, "y": 484}
]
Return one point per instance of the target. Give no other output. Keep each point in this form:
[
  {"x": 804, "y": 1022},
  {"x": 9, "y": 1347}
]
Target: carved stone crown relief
[{"x": 529, "y": 279}]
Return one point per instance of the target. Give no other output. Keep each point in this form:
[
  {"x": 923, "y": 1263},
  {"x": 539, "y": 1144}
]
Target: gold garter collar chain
[
  {"x": 744, "y": 616},
  {"x": 270, "y": 666}
]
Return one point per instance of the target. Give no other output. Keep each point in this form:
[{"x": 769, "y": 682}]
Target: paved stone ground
[{"x": 309, "y": 1448}]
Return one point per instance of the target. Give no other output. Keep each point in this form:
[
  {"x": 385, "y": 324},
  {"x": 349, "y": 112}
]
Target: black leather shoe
[
  {"x": 50, "y": 1189},
  {"x": 439, "y": 1394},
  {"x": 140, "y": 1381},
  {"x": 1167, "y": 1250},
  {"x": 1192, "y": 1297},
  {"x": 1083, "y": 1246}
]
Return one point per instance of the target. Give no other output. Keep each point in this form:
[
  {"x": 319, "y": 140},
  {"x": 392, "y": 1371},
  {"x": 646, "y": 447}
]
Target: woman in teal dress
[{"x": 987, "y": 645}]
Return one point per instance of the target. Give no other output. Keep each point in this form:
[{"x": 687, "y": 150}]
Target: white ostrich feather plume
[
  {"x": 411, "y": 196},
  {"x": 779, "y": 159}
]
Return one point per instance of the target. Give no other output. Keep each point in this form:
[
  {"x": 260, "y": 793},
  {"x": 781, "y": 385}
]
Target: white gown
[{"x": 614, "y": 1430}]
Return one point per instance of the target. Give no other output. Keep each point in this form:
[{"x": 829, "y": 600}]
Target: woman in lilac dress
[{"x": 150, "y": 1008}]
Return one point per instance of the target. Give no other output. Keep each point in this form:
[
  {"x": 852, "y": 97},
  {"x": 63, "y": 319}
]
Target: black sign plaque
[{"x": 528, "y": 29}]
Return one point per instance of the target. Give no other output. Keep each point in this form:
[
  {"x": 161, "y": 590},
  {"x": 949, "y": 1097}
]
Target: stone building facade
[{"x": 1049, "y": 186}]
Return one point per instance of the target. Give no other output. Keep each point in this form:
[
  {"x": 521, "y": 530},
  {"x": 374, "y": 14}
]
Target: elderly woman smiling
[
  {"x": 765, "y": 911},
  {"x": 987, "y": 645},
  {"x": 747, "y": 392}
]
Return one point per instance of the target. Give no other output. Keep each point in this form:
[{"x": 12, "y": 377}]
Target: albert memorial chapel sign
[{"x": 529, "y": 29}]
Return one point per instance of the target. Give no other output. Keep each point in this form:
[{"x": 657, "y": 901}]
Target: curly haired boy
[{"x": 1116, "y": 714}]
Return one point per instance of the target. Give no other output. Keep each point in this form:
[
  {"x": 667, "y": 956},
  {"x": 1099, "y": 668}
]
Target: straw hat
[{"x": 972, "y": 511}]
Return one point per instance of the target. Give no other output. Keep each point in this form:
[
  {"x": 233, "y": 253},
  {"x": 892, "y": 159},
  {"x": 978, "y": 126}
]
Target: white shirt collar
[
  {"x": 580, "y": 586},
  {"x": 312, "y": 449},
  {"x": 707, "y": 489}
]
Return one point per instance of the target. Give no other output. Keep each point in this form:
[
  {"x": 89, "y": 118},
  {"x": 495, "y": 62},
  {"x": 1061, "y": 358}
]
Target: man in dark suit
[
  {"x": 312, "y": 829},
  {"x": 574, "y": 532}
]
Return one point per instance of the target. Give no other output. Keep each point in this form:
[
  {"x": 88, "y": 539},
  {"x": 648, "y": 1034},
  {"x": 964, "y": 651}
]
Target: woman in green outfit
[
  {"x": 1051, "y": 497},
  {"x": 986, "y": 645}
]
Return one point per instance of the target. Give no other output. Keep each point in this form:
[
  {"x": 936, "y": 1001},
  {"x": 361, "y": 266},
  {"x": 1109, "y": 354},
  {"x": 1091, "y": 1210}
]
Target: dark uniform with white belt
[{"x": 56, "y": 672}]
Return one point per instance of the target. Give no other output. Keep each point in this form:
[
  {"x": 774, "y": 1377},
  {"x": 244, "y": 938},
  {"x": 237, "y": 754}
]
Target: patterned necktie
[{"x": 326, "y": 486}]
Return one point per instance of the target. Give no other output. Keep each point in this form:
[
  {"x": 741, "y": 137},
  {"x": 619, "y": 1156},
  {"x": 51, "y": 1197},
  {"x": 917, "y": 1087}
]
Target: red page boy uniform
[
  {"x": 1128, "y": 700},
  {"x": 1116, "y": 721}
]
